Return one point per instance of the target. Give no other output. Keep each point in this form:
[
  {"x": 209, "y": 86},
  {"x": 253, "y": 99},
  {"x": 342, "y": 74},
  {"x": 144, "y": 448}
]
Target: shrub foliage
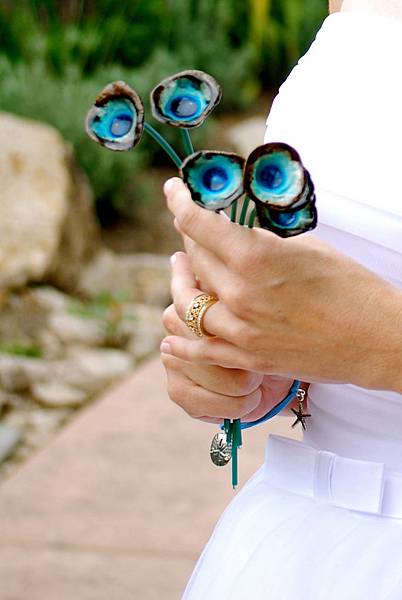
[{"x": 55, "y": 55}]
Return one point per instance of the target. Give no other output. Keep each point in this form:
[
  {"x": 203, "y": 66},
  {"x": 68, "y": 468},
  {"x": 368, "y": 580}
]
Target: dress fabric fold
[{"x": 341, "y": 109}]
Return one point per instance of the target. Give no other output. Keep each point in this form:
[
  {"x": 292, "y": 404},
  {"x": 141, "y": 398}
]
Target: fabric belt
[{"x": 328, "y": 478}]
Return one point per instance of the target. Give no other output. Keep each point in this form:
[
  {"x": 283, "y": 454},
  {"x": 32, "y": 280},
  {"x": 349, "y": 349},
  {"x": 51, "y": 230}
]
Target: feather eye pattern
[
  {"x": 185, "y": 99},
  {"x": 276, "y": 177},
  {"x": 215, "y": 179},
  {"x": 288, "y": 223},
  {"x": 116, "y": 120}
]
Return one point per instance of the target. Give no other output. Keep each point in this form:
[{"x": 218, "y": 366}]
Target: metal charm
[
  {"x": 301, "y": 395},
  {"x": 221, "y": 451}
]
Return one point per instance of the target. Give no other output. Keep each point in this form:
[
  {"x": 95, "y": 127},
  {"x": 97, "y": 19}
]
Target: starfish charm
[{"x": 300, "y": 417}]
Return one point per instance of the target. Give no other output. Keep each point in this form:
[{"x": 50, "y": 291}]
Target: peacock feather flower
[
  {"x": 276, "y": 177},
  {"x": 116, "y": 120},
  {"x": 215, "y": 179},
  {"x": 185, "y": 99},
  {"x": 288, "y": 223}
]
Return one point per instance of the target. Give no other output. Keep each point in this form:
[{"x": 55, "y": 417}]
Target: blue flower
[
  {"x": 116, "y": 120},
  {"x": 288, "y": 223},
  {"x": 185, "y": 99},
  {"x": 215, "y": 179},
  {"x": 275, "y": 176}
]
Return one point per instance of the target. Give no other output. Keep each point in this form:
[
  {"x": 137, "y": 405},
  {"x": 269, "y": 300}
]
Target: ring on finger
[{"x": 195, "y": 314}]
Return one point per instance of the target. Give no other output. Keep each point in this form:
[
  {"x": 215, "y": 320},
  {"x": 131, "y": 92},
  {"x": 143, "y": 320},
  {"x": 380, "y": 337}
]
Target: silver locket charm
[{"x": 221, "y": 451}]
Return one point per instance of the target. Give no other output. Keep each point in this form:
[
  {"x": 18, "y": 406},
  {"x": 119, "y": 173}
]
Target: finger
[
  {"x": 174, "y": 325},
  {"x": 198, "y": 402},
  {"x": 212, "y": 273},
  {"x": 217, "y": 319},
  {"x": 260, "y": 411},
  {"x": 209, "y": 352},
  {"x": 209, "y": 229},
  {"x": 211, "y": 421},
  {"x": 229, "y": 382}
]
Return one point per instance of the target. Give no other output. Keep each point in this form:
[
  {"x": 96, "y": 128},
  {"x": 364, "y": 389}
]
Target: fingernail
[
  {"x": 173, "y": 259},
  {"x": 168, "y": 185},
  {"x": 166, "y": 348}
]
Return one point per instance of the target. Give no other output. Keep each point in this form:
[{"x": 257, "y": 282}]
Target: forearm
[{"x": 384, "y": 367}]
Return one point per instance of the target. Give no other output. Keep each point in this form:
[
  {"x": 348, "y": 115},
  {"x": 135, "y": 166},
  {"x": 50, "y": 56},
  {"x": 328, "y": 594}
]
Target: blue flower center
[
  {"x": 121, "y": 124},
  {"x": 184, "y": 107},
  {"x": 284, "y": 219},
  {"x": 215, "y": 179},
  {"x": 270, "y": 177}
]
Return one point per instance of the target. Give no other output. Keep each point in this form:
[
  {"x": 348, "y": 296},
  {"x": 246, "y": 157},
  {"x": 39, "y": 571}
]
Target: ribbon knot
[{"x": 324, "y": 476}]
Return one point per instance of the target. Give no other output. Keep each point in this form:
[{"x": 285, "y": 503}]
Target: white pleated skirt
[{"x": 271, "y": 544}]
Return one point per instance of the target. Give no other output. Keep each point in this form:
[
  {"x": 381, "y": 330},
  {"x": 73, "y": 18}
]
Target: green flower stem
[
  {"x": 243, "y": 213},
  {"x": 188, "y": 144},
  {"x": 251, "y": 220},
  {"x": 229, "y": 431},
  {"x": 237, "y": 425},
  {"x": 164, "y": 144},
  {"x": 233, "y": 428},
  {"x": 235, "y": 478},
  {"x": 233, "y": 212}
]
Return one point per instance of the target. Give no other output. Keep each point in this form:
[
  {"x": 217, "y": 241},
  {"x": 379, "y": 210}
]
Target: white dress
[{"x": 313, "y": 524}]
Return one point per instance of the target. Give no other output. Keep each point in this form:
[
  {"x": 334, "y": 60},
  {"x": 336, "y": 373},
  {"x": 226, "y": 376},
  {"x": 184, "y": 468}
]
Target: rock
[
  {"x": 145, "y": 278},
  {"x": 146, "y": 330},
  {"x": 36, "y": 423},
  {"x": 50, "y": 299},
  {"x": 54, "y": 394},
  {"x": 51, "y": 346},
  {"x": 71, "y": 328},
  {"x": 17, "y": 373},
  {"x": 9, "y": 440},
  {"x": 47, "y": 226},
  {"x": 247, "y": 135},
  {"x": 13, "y": 378},
  {"x": 103, "y": 365},
  {"x": 70, "y": 373}
]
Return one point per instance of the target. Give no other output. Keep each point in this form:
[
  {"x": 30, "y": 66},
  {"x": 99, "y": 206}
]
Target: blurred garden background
[
  {"x": 55, "y": 56},
  {"x": 104, "y": 507},
  {"x": 85, "y": 235}
]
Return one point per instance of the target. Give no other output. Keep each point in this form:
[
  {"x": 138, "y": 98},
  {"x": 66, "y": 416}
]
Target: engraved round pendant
[{"x": 221, "y": 451}]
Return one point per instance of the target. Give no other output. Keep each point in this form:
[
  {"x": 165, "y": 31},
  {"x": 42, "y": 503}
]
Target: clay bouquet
[{"x": 271, "y": 188}]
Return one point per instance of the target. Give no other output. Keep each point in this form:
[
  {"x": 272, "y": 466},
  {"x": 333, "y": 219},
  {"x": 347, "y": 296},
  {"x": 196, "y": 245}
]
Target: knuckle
[
  {"x": 177, "y": 392},
  {"x": 240, "y": 304},
  {"x": 245, "y": 382},
  {"x": 187, "y": 219},
  {"x": 207, "y": 351},
  {"x": 169, "y": 318},
  {"x": 192, "y": 406},
  {"x": 185, "y": 397},
  {"x": 250, "y": 339},
  {"x": 261, "y": 364},
  {"x": 170, "y": 362},
  {"x": 231, "y": 297},
  {"x": 180, "y": 307},
  {"x": 238, "y": 408},
  {"x": 242, "y": 260}
]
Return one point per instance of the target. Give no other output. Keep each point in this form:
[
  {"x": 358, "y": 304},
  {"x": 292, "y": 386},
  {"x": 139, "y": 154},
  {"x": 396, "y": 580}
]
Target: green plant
[
  {"x": 289, "y": 30},
  {"x": 108, "y": 309},
  {"x": 21, "y": 349}
]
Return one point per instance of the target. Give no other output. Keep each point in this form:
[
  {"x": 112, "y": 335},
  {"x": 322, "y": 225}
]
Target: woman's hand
[
  {"x": 293, "y": 307},
  {"x": 212, "y": 393}
]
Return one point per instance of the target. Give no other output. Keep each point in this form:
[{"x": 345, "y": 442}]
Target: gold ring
[{"x": 195, "y": 314}]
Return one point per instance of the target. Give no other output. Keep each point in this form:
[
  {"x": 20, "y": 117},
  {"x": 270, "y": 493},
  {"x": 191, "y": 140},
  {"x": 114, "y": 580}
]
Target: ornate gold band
[{"x": 195, "y": 314}]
